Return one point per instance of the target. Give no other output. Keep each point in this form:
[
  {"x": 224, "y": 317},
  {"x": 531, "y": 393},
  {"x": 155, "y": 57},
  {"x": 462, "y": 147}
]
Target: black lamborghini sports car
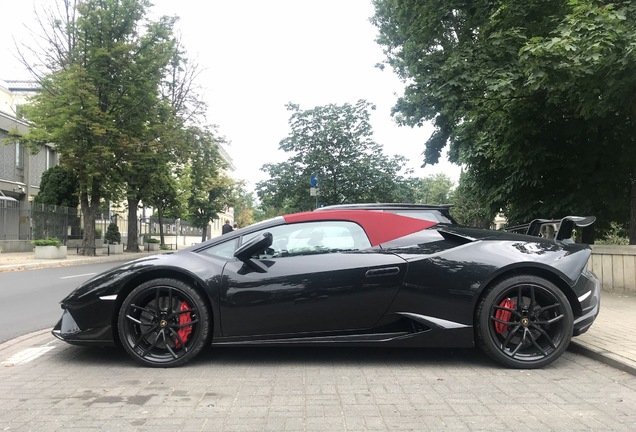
[{"x": 343, "y": 277}]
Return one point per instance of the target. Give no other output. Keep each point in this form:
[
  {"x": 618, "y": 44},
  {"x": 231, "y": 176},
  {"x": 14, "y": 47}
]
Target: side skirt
[{"x": 447, "y": 338}]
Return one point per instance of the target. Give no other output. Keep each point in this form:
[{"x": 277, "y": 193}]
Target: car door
[{"x": 320, "y": 277}]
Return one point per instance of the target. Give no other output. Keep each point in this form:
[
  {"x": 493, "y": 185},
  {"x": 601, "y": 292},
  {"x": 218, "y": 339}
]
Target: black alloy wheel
[
  {"x": 524, "y": 322},
  {"x": 163, "y": 323}
]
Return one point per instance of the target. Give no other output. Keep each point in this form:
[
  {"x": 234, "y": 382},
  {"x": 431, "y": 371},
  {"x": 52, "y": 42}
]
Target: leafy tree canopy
[
  {"x": 434, "y": 189},
  {"x": 244, "y": 207},
  {"x": 211, "y": 190},
  {"x": 333, "y": 143},
  {"x": 470, "y": 207},
  {"x": 58, "y": 187},
  {"x": 537, "y": 98},
  {"x": 100, "y": 97}
]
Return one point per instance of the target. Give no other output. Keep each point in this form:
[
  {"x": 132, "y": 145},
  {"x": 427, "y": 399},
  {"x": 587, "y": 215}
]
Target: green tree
[
  {"x": 151, "y": 176},
  {"x": 58, "y": 186},
  {"x": 434, "y": 189},
  {"x": 100, "y": 96},
  {"x": 535, "y": 97},
  {"x": 470, "y": 206},
  {"x": 333, "y": 143},
  {"x": 244, "y": 206},
  {"x": 212, "y": 191},
  {"x": 112, "y": 235},
  {"x": 164, "y": 194},
  {"x": 588, "y": 64}
]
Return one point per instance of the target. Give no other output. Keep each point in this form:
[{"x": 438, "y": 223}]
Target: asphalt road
[{"x": 29, "y": 300}]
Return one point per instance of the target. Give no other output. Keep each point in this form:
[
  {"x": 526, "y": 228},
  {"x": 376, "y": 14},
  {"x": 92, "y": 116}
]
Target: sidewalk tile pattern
[
  {"x": 612, "y": 337},
  {"x": 308, "y": 389}
]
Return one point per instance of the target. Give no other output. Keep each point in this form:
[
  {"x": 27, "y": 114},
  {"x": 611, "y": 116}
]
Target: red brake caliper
[
  {"x": 184, "y": 318},
  {"x": 503, "y": 315}
]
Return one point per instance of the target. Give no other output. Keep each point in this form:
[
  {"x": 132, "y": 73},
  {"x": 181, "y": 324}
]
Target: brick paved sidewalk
[
  {"x": 612, "y": 337},
  {"x": 47, "y": 385}
]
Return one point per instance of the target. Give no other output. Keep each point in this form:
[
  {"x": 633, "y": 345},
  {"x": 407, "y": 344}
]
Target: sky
[{"x": 257, "y": 56}]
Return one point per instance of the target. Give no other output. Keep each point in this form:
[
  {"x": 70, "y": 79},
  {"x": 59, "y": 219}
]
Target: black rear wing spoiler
[{"x": 558, "y": 229}]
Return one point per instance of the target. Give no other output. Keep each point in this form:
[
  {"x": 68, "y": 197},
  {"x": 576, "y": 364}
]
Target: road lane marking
[
  {"x": 76, "y": 276},
  {"x": 28, "y": 355}
]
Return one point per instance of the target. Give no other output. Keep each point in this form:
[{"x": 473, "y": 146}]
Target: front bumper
[
  {"x": 69, "y": 331},
  {"x": 590, "y": 302}
]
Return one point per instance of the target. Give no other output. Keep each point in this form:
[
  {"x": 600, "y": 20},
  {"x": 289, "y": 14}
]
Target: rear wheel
[
  {"x": 524, "y": 322},
  {"x": 163, "y": 323}
]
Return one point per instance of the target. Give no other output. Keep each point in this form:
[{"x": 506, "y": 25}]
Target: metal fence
[
  {"x": 31, "y": 221},
  {"x": 55, "y": 221},
  {"x": 171, "y": 227},
  {"x": 10, "y": 216}
]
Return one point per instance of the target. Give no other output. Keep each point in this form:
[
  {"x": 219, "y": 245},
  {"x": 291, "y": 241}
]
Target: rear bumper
[{"x": 590, "y": 302}]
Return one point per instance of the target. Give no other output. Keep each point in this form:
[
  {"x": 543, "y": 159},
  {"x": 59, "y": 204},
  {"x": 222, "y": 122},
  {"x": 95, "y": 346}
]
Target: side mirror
[{"x": 254, "y": 246}]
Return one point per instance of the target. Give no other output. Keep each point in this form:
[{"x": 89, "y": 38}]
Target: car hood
[{"x": 110, "y": 281}]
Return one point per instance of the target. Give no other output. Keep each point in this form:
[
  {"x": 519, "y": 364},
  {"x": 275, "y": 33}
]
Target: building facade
[{"x": 20, "y": 168}]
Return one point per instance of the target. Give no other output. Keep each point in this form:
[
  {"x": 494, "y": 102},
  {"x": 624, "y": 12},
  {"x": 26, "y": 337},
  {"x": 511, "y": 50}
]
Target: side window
[
  {"x": 224, "y": 250},
  {"x": 309, "y": 238},
  {"x": 312, "y": 238},
  {"x": 432, "y": 216}
]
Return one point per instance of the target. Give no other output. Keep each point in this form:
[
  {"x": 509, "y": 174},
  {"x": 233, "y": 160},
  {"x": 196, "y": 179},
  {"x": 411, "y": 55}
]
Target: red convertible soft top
[{"x": 380, "y": 227}]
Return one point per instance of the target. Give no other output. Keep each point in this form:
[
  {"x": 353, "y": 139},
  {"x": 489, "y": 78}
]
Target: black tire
[
  {"x": 163, "y": 323},
  {"x": 524, "y": 322}
]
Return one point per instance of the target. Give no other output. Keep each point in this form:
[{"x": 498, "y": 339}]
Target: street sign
[{"x": 313, "y": 180}]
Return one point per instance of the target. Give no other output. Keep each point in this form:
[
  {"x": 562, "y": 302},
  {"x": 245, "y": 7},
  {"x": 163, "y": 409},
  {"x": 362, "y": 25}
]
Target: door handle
[{"x": 386, "y": 271}]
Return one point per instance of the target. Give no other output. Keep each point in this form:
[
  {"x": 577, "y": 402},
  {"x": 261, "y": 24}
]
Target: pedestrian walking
[{"x": 226, "y": 227}]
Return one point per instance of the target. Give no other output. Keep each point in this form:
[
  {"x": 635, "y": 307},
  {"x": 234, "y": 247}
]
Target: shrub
[
  {"x": 615, "y": 235},
  {"x": 152, "y": 240},
  {"x": 112, "y": 234},
  {"x": 47, "y": 242},
  {"x": 98, "y": 233}
]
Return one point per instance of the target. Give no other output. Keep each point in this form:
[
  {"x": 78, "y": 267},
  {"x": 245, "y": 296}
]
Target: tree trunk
[
  {"x": 632, "y": 192},
  {"x": 632, "y": 211},
  {"x": 89, "y": 211},
  {"x": 132, "y": 245},
  {"x": 160, "y": 220}
]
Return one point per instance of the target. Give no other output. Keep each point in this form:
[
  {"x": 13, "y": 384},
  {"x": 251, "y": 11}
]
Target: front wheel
[
  {"x": 524, "y": 322},
  {"x": 163, "y": 323}
]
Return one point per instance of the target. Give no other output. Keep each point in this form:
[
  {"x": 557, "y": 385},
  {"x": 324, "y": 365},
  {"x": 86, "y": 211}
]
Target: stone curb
[
  {"x": 604, "y": 356},
  {"x": 76, "y": 261}
]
